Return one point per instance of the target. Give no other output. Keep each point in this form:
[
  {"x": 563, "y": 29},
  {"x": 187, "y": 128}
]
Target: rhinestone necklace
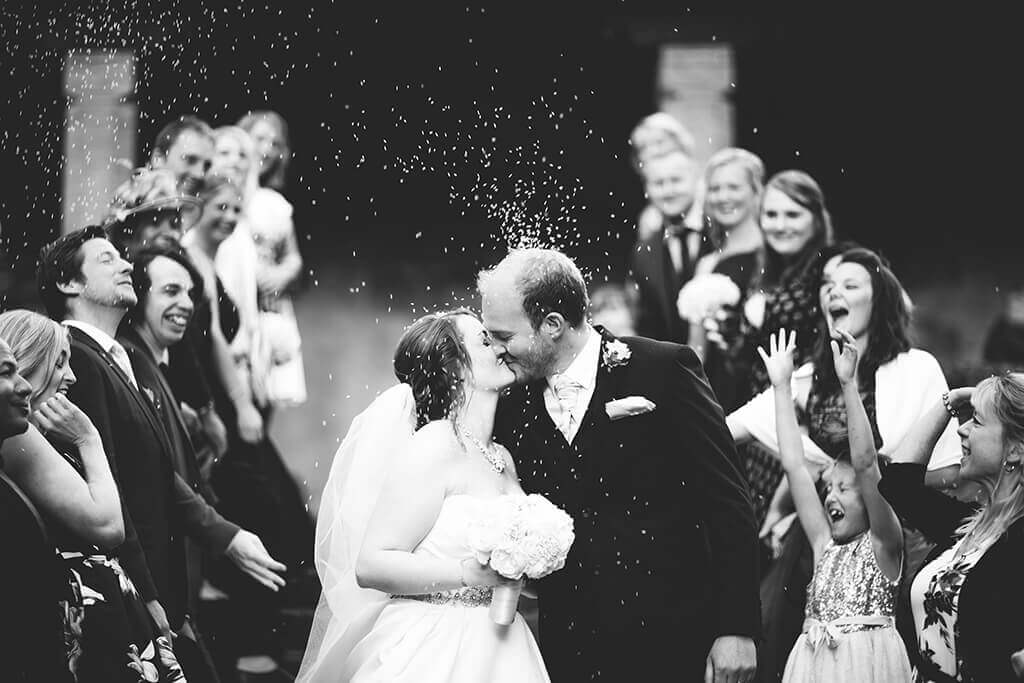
[{"x": 491, "y": 453}]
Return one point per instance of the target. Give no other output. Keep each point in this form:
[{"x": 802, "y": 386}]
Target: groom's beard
[{"x": 536, "y": 366}]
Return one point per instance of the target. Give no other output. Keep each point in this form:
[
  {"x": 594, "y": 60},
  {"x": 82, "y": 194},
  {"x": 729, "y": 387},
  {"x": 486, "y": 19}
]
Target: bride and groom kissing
[{"x": 624, "y": 435}]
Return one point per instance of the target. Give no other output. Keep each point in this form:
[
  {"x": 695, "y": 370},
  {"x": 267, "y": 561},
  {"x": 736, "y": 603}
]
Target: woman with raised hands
[{"x": 861, "y": 296}]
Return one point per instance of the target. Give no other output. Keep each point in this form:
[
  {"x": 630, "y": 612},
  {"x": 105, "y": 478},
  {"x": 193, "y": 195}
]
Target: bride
[{"x": 403, "y": 597}]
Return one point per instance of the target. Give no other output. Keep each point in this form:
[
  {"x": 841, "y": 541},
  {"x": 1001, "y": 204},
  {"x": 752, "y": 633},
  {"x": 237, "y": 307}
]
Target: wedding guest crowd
[
  {"x": 139, "y": 484},
  {"x": 135, "y": 443},
  {"x": 765, "y": 260}
]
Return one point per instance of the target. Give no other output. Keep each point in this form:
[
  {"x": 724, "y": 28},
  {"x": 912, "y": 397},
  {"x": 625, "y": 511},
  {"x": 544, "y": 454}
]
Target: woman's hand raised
[
  {"x": 778, "y": 361},
  {"x": 845, "y": 356},
  {"x": 58, "y": 418}
]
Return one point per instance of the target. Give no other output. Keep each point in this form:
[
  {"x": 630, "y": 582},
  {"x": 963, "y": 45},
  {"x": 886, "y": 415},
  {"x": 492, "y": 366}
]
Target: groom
[{"x": 626, "y": 436}]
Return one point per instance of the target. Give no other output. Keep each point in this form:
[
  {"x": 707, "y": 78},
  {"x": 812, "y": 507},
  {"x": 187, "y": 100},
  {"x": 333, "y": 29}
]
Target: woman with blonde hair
[
  {"x": 279, "y": 263},
  {"x": 235, "y": 160},
  {"x": 61, "y": 465},
  {"x": 735, "y": 180},
  {"x": 251, "y": 482},
  {"x": 269, "y": 132},
  {"x": 966, "y": 599}
]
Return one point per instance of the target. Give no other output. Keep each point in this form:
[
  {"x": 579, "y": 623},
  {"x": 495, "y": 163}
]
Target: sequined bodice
[{"x": 848, "y": 582}]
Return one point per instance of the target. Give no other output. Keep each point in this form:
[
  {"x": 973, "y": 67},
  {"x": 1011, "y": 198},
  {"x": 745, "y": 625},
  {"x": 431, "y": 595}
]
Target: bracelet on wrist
[{"x": 947, "y": 405}]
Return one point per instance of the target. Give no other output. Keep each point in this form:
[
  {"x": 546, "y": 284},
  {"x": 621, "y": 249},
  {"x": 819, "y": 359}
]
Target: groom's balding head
[
  {"x": 531, "y": 301},
  {"x": 545, "y": 281}
]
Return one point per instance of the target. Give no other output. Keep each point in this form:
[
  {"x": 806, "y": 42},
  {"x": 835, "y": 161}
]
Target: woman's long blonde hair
[
  {"x": 35, "y": 341},
  {"x": 1003, "y": 395}
]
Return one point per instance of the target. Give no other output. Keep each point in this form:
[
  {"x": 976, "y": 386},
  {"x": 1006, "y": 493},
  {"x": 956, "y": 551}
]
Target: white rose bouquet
[
  {"x": 704, "y": 295},
  {"x": 520, "y": 536}
]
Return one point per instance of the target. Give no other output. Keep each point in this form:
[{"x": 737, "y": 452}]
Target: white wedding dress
[
  {"x": 361, "y": 635},
  {"x": 445, "y": 636}
]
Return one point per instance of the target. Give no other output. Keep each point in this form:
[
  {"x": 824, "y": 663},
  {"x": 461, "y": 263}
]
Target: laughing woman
[
  {"x": 859, "y": 295},
  {"x": 60, "y": 464},
  {"x": 966, "y": 600}
]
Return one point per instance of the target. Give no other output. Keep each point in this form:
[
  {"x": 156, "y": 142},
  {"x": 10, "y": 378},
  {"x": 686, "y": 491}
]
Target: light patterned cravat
[
  {"x": 120, "y": 357},
  {"x": 567, "y": 391}
]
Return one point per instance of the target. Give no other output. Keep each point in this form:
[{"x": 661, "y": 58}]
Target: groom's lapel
[
  {"x": 604, "y": 390},
  {"x": 539, "y": 416}
]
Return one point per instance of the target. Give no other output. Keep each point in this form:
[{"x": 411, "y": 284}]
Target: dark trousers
[{"x": 194, "y": 657}]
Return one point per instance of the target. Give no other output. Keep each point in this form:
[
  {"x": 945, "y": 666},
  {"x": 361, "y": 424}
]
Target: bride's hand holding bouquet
[{"x": 519, "y": 536}]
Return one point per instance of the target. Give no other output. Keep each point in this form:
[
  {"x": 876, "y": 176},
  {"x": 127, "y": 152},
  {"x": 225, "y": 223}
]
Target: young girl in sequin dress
[{"x": 849, "y": 630}]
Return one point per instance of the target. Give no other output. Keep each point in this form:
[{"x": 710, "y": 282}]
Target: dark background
[{"x": 413, "y": 126}]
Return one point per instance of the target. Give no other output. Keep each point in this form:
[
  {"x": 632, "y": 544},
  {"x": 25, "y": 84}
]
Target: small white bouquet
[
  {"x": 520, "y": 536},
  {"x": 704, "y": 295}
]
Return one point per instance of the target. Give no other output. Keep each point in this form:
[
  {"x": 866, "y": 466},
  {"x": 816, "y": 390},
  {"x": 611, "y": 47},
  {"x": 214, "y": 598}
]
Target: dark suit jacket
[
  {"x": 102, "y": 391},
  {"x": 665, "y": 557},
  {"x": 162, "y": 508},
  {"x": 659, "y": 285},
  {"x": 203, "y": 524},
  {"x": 990, "y": 602}
]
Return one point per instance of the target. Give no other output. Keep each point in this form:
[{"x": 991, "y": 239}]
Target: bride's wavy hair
[{"x": 432, "y": 359}]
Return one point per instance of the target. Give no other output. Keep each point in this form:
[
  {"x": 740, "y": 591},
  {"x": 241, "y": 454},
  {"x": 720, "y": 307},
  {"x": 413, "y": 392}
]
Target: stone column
[
  {"x": 99, "y": 140},
  {"x": 694, "y": 85}
]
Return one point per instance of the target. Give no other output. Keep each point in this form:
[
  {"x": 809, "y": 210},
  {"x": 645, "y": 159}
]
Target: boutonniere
[{"x": 616, "y": 353}]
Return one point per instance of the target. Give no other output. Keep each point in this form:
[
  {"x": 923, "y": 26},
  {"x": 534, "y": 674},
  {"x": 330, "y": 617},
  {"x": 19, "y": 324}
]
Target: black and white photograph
[{"x": 509, "y": 343}]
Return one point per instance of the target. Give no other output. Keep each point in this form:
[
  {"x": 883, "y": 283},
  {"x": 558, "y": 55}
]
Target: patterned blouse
[
  {"x": 934, "y": 595},
  {"x": 792, "y": 306}
]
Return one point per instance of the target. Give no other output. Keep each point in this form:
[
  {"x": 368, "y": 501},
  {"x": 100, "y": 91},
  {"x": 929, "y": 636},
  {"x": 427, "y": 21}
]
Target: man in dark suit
[
  {"x": 664, "y": 261},
  {"x": 167, "y": 284},
  {"x": 84, "y": 282},
  {"x": 626, "y": 436}
]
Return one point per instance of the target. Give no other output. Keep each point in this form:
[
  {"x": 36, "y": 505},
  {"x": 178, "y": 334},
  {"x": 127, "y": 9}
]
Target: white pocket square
[{"x": 631, "y": 405}]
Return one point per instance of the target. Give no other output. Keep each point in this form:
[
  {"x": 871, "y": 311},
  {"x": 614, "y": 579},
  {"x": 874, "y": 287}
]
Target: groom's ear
[{"x": 554, "y": 325}]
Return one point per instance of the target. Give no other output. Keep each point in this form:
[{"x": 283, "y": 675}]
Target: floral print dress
[
  {"x": 109, "y": 636},
  {"x": 933, "y": 597}
]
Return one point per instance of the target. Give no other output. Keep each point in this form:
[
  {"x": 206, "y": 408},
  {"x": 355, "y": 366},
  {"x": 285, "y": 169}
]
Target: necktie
[
  {"x": 120, "y": 357},
  {"x": 677, "y": 240},
  {"x": 567, "y": 391}
]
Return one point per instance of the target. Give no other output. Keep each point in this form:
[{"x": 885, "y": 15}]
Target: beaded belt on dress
[
  {"x": 474, "y": 596},
  {"x": 828, "y": 632}
]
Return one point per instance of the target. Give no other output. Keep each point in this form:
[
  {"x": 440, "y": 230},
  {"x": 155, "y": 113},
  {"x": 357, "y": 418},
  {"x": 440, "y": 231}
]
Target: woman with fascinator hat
[{"x": 149, "y": 207}]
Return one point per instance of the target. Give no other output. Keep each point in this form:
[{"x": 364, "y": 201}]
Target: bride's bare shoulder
[{"x": 435, "y": 441}]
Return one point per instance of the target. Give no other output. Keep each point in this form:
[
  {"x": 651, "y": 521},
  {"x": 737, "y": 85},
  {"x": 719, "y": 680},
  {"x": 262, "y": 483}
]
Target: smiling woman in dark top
[
  {"x": 31, "y": 643},
  {"x": 966, "y": 599}
]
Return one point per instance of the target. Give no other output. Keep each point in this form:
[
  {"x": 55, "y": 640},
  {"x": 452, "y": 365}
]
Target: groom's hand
[{"x": 733, "y": 659}]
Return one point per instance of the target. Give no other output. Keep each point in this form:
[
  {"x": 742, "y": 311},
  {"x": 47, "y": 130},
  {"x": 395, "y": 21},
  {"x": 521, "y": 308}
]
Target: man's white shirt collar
[
  {"x": 583, "y": 369},
  {"x": 105, "y": 341}
]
